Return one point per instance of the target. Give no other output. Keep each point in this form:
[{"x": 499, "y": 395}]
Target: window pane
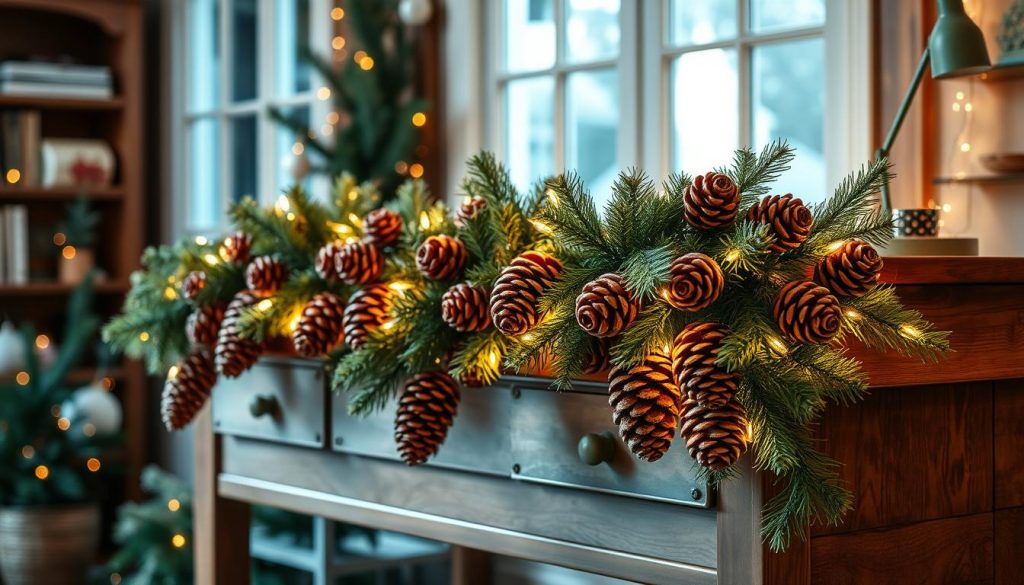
[
  {"x": 788, "y": 92},
  {"x": 204, "y": 203},
  {"x": 243, "y": 157},
  {"x": 705, "y": 110},
  {"x": 706, "y": 21},
  {"x": 291, "y": 21},
  {"x": 204, "y": 54},
  {"x": 776, "y": 15},
  {"x": 592, "y": 115},
  {"x": 283, "y": 149},
  {"x": 529, "y": 34},
  {"x": 530, "y": 129},
  {"x": 593, "y": 30},
  {"x": 244, "y": 49}
]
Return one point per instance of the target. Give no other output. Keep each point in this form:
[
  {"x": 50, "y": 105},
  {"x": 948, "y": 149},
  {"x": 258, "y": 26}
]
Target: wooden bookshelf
[
  {"x": 51, "y": 103},
  {"x": 29, "y": 194}
]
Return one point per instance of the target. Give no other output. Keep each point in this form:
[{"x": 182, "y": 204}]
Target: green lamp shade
[{"x": 957, "y": 46}]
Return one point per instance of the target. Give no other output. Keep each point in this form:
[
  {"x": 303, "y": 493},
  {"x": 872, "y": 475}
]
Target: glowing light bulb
[
  {"x": 264, "y": 305},
  {"x": 178, "y": 540},
  {"x": 282, "y": 204},
  {"x": 835, "y": 246},
  {"x": 323, "y": 94},
  {"x": 172, "y": 372},
  {"x": 965, "y": 147},
  {"x": 63, "y": 423},
  {"x": 541, "y": 226},
  {"x": 777, "y": 345},
  {"x": 338, "y": 43},
  {"x": 93, "y": 464},
  {"x": 28, "y": 451},
  {"x": 173, "y": 505},
  {"x": 552, "y": 197},
  {"x": 69, "y": 252},
  {"x": 13, "y": 176},
  {"x": 852, "y": 314},
  {"x": 909, "y": 331},
  {"x": 211, "y": 259},
  {"x": 42, "y": 472},
  {"x": 59, "y": 239},
  {"x": 733, "y": 255},
  {"x": 337, "y": 13},
  {"x": 416, "y": 170},
  {"x": 22, "y": 378},
  {"x": 170, "y": 294},
  {"x": 42, "y": 341},
  {"x": 419, "y": 119},
  {"x": 424, "y": 220},
  {"x": 298, "y": 148}
]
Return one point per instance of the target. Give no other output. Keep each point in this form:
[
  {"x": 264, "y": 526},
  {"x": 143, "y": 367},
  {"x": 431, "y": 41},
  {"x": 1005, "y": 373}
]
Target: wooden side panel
[
  {"x": 1009, "y": 547},
  {"x": 951, "y": 551},
  {"x": 1009, "y": 454}
]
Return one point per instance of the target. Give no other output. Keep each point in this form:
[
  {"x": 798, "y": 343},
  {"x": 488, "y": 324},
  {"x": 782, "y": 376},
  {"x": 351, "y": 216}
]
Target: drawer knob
[
  {"x": 595, "y": 449},
  {"x": 263, "y": 405}
]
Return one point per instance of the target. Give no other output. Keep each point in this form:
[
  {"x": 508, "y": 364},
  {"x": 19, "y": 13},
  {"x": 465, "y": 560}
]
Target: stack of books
[
  {"x": 57, "y": 80},
  {"x": 51, "y": 162},
  {"x": 14, "y": 245}
]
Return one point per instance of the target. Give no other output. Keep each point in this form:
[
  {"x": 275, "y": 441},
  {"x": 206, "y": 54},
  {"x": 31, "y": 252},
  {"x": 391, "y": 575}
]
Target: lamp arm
[{"x": 901, "y": 115}]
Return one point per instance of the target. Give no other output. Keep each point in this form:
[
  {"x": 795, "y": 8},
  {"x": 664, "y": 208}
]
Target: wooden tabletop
[{"x": 953, "y": 270}]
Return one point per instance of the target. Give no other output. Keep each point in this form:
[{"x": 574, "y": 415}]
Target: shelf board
[
  {"x": 1003, "y": 72},
  {"x": 58, "y": 288},
  {"x": 29, "y": 194},
  {"x": 59, "y": 103},
  {"x": 993, "y": 178}
]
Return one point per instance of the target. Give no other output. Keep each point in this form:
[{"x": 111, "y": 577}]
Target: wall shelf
[
  {"x": 29, "y": 194},
  {"x": 59, "y": 288},
  {"x": 1003, "y": 72},
  {"x": 983, "y": 179},
  {"x": 55, "y": 103}
]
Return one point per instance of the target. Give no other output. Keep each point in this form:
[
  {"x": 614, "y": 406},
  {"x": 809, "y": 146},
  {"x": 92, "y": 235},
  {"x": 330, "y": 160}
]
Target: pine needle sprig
[
  {"x": 647, "y": 269},
  {"x": 754, "y": 173},
  {"x": 879, "y": 320},
  {"x": 573, "y": 220},
  {"x": 480, "y": 357},
  {"x": 654, "y": 329},
  {"x": 851, "y": 211}
]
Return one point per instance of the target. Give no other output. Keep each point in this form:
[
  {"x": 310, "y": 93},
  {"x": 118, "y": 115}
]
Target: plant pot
[
  {"x": 48, "y": 544},
  {"x": 73, "y": 270}
]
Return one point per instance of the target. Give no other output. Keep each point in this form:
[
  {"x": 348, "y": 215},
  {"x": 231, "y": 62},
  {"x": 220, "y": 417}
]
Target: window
[{"x": 240, "y": 56}]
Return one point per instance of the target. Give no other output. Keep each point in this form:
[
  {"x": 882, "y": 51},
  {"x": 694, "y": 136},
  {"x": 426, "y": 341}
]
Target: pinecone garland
[
  {"x": 367, "y": 310},
  {"x": 695, "y": 282},
  {"x": 426, "y": 409},
  {"x": 187, "y": 389},
  {"x": 359, "y": 263},
  {"x": 193, "y": 283},
  {"x": 806, "y": 312},
  {"x": 606, "y": 307},
  {"x": 716, "y": 438},
  {"x": 789, "y": 219},
  {"x": 235, "y": 354},
  {"x": 711, "y": 201},
  {"x": 441, "y": 257},
  {"x": 468, "y": 210},
  {"x": 514, "y": 309},
  {"x": 645, "y": 402},
  {"x": 465, "y": 308},
  {"x": 204, "y": 324},
  {"x": 850, "y": 271},
  {"x": 265, "y": 275},
  {"x": 693, "y": 365},
  {"x": 324, "y": 264},
  {"x": 236, "y": 248},
  {"x": 319, "y": 328},
  {"x": 383, "y": 227}
]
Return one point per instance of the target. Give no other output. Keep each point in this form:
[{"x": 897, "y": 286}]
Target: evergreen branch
[
  {"x": 646, "y": 270},
  {"x": 480, "y": 358},
  {"x": 753, "y": 174},
  {"x": 746, "y": 249},
  {"x": 654, "y": 329},
  {"x": 563, "y": 292},
  {"x": 851, "y": 211},
  {"x": 573, "y": 219},
  {"x": 880, "y": 321}
]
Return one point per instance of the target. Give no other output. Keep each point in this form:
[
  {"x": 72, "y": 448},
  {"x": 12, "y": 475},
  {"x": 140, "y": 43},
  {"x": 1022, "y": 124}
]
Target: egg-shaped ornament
[
  {"x": 96, "y": 406},
  {"x": 295, "y": 165},
  {"x": 12, "y": 350},
  {"x": 415, "y": 12}
]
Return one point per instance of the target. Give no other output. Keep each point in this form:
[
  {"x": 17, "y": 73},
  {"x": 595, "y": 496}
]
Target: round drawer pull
[
  {"x": 595, "y": 449},
  {"x": 263, "y": 405}
]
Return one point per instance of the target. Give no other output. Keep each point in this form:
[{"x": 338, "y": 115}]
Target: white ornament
[
  {"x": 295, "y": 166},
  {"x": 94, "y": 405},
  {"x": 415, "y": 12},
  {"x": 12, "y": 349}
]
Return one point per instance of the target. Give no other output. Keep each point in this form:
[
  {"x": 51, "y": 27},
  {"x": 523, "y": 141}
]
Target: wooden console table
[{"x": 934, "y": 457}]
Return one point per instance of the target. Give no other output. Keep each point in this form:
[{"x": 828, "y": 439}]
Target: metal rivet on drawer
[
  {"x": 696, "y": 494},
  {"x": 516, "y": 469}
]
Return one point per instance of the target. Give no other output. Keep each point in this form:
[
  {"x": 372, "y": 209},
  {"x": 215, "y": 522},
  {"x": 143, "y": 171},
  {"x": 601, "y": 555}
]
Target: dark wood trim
[{"x": 953, "y": 270}]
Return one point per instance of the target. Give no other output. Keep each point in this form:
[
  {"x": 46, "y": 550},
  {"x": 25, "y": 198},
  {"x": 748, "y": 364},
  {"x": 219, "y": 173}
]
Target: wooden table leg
[
  {"x": 470, "y": 566},
  {"x": 221, "y": 526}
]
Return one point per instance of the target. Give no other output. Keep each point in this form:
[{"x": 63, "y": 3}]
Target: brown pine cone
[
  {"x": 645, "y": 402},
  {"x": 468, "y": 210},
  {"x": 319, "y": 327},
  {"x": 850, "y": 271},
  {"x": 383, "y": 227},
  {"x": 789, "y": 219},
  {"x": 204, "y": 324},
  {"x": 716, "y": 438},
  {"x": 695, "y": 282},
  {"x": 359, "y": 263},
  {"x": 441, "y": 257},
  {"x": 470, "y": 379},
  {"x": 325, "y": 262},
  {"x": 514, "y": 299},
  {"x": 367, "y": 310},
  {"x": 693, "y": 365},
  {"x": 236, "y": 248},
  {"x": 606, "y": 307},
  {"x": 598, "y": 359},
  {"x": 194, "y": 282},
  {"x": 235, "y": 354},
  {"x": 187, "y": 389},
  {"x": 426, "y": 409},
  {"x": 465, "y": 308},
  {"x": 265, "y": 275},
  {"x": 711, "y": 201},
  {"x": 806, "y": 312}
]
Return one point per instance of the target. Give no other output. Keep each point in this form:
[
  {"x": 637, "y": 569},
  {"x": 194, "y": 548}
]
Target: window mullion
[
  {"x": 561, "y": 96},
  {"x": 629, "y": 72},
  {"x": 744, "y": 81},
  {"x": 267, "y": 68},
  {"x": 225, "y": 94}
]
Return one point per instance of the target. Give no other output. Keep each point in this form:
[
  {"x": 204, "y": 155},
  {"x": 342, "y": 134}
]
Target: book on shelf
[
  {"x": 75, "y": 162},
  {"x": 21, "y": 145},
  {"x": 14, "y": 220},
  {"x": 42, "y": 79}
]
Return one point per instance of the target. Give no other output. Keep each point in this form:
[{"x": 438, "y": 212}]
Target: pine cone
[
  {"x": 235, "y": 354},
  {"x": 193, "y": 283},
  {"x": 598, "y": 359},
  {"x": 359, "y": 263},
  {"x": 187, "y": 388},
  {"x": 204, "y": 324},
  {"x": 693, "y": 365},
  {"x": 265, "y": 275},
  {"x": 319, "y": 327},
  {"x": 715, "y": 438},
  {"x": 645, "y": 402},
  {"x": 806, "y": 312},
  {"x": 383, "y": 227},
  {"x": 367, "y": 310},
  {"x": 441, "y": 257},
  {"x": 426, "y": 409},
  {"x": 236, "y": 248},
  {"x": 850, "y": 271},
  {"x": 470, "y": 379},
  {"x": 514, "y": 309},
  {"x": 606, "y": 307},
  {"x": 711, "y": 201},
  {"x": 468, "y": 210},
  {"x": 465, "y": 308},
  {"x": 790, "y": 221},
  {"x": 695, "y": 282},
  {"x": 325, "y": 262}
]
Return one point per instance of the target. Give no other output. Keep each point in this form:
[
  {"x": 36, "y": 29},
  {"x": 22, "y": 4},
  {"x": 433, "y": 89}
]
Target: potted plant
[
  {"x": 77, "y": 254},
  {"x": 50, "y": 461}
]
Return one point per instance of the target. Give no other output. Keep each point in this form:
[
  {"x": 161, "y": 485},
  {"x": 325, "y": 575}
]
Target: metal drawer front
[{"x": 289, "y": 400}]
